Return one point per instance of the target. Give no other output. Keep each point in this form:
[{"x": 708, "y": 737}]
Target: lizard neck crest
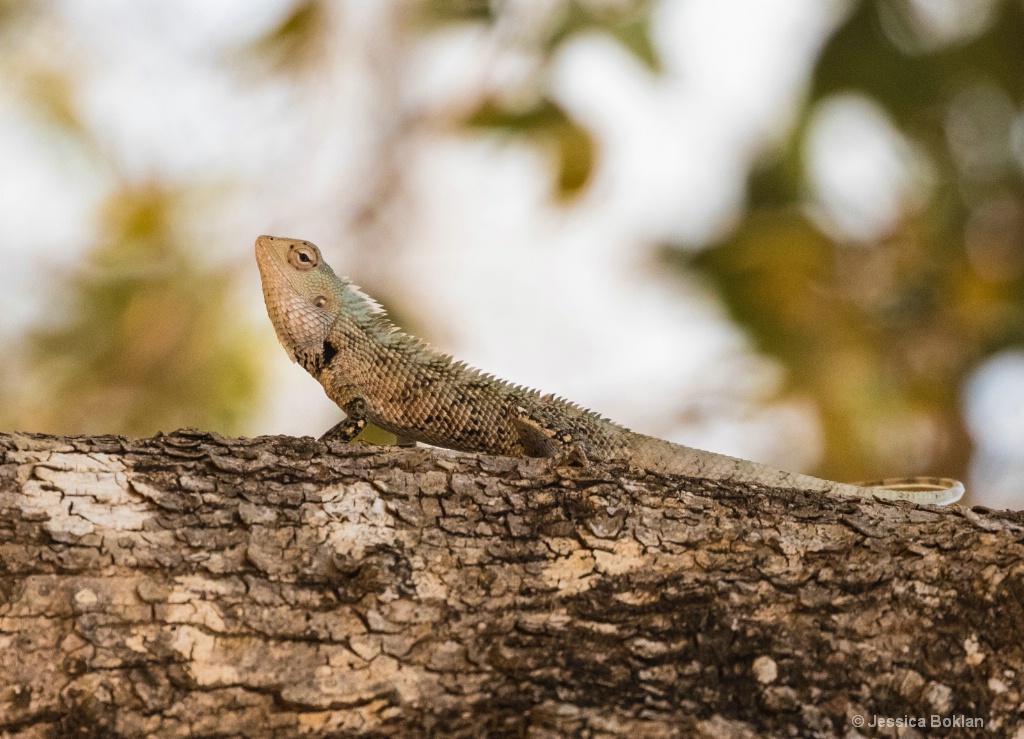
[{"x": 360, "y": 305}]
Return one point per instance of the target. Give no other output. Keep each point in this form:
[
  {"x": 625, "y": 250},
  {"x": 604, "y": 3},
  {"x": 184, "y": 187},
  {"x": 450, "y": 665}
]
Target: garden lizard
[{"x": 379, "y": 374}]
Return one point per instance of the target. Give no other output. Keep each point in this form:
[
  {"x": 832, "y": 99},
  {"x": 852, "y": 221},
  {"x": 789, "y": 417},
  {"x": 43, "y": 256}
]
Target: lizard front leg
[{"x": 354, "y": 422}]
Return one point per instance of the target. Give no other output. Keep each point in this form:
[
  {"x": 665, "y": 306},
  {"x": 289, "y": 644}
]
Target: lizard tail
[
  {"x": 657, "y": 455},
  {"x": 931, "y": 490}
]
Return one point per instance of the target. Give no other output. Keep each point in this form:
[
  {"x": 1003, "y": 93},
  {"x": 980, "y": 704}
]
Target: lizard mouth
[{"x": 278, "y": 298}]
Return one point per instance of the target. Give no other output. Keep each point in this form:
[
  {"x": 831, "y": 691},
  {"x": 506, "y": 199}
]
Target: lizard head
[{"x": 304, "y": 298}]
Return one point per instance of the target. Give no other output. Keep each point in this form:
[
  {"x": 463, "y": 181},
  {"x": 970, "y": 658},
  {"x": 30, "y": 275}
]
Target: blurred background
[{"x": 790, "y": 231}]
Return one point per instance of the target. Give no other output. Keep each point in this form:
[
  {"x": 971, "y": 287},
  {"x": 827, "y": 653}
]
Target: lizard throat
[{"x": 316, "y": 362}]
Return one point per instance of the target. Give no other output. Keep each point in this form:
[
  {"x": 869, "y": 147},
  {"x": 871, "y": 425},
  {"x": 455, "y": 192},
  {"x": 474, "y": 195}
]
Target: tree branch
[{"x": 267, "y": 587}]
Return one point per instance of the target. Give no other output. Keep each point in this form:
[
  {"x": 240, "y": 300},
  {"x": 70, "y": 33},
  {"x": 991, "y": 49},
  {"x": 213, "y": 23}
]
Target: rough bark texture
[{"x": 193, "y": 585}]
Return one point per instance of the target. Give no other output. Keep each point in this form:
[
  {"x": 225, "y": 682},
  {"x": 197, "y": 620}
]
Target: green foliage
[
  {"x": 49, "y": 89},
  {"x": 627, "y": 23},
  {"x": 296, "y": 44},
  {"x": 874, "y": 51},
  {"x": 547, "y": 125},
  {"x": 144, "y": 337},
  {"x": 882, "y": 335},
  {"x": 543, "y": 122},
  {"x": 867, "y": 333},
  {"x": 455, "y": 11},
  {"x": 146, "y": 340}
]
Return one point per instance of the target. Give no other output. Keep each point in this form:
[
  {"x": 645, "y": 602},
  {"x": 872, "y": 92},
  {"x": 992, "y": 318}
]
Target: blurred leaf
[
  {"x": 635, "y": 36},
  {"x": 776, "y": 180},
  {"x": 627, "y": 23},
  {"x": 13, "y": 11},
  {"x": 53, "y": 93},
  {"x": 456, "y": 11},
  {"x": 576, "y": 154},
  {"x": 869, "y": 332},
  {"x": 883, "y": 335},
  {"x": 144, "y": 340},
  {"x": 770, "y": 273},
  {"x": 913, "y": 87},
  {"x": 46, "y": 82},
  {"x": 546, "y": 124},
  {"x": 860, "y": 56},
  {"x": 298, "y": 42}
]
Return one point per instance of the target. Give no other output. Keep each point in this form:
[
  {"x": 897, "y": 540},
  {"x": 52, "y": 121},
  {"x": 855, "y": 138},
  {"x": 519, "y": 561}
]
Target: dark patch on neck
[
  {"x": 330, "y": 351},
  {"x": 311, "y": 363}
]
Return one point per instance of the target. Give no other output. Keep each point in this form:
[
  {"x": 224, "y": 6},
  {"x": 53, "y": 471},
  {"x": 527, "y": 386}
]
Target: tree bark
[{"x": 198, "y": 585}]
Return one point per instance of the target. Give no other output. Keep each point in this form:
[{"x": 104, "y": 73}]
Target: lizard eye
[
  {"x": 320, "y": 301},
  {"x": 304, "y": 258}
]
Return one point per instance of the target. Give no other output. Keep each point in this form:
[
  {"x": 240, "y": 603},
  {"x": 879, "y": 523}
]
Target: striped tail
[{"x": 929, "y": 490}]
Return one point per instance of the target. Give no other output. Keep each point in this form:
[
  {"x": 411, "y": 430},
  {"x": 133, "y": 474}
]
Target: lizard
[{"x": 377, "y": 373}]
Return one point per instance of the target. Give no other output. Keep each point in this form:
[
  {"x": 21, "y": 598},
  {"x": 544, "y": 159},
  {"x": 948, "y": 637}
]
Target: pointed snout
[
  {"x": 271, "y": 248},
  {"x": 263, "y": 243}
]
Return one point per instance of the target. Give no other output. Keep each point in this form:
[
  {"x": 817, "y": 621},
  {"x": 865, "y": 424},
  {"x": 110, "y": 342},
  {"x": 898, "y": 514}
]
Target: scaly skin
[{"x": 381, "y": 375}]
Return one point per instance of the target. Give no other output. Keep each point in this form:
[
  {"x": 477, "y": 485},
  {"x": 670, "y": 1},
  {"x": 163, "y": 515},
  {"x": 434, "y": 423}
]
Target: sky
[{"x": 568, "y": 300}]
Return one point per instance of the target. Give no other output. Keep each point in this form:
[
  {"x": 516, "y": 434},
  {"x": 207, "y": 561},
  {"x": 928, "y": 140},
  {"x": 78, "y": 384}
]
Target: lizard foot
[{"x": 348, "y": 429}]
